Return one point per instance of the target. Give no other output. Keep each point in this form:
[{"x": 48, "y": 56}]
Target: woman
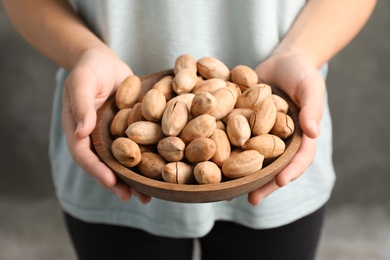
[{"x": 99, "y": 43}]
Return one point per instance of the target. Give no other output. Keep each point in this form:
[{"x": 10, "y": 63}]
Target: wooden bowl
[{"x": 196, "y": 193}]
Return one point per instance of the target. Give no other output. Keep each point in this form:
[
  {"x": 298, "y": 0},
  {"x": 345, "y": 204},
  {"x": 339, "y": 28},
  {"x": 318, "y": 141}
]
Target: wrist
[
  {"x": 79, "y": 54},
  {"x": 290, "y": 51},
  {"x": 95, "y": 58}
]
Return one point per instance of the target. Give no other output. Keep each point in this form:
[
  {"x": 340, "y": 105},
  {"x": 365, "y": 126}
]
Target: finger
[
  {"x": 311, "y": 95},
  {"x": 123, "y": 191},
  {"x": 264, "y": 74},
  {"x": 302, "y": 160},
  {"x": 81, "y": 91},
  {"x": 91, "y": 163},
  {"x": 256, "y": 196},
  {"x": 144, "y": 199},
  {"x": 80, "y": 148}
]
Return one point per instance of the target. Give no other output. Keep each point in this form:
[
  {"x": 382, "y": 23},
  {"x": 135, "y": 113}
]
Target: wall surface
[{"x": 358, "y": 218}]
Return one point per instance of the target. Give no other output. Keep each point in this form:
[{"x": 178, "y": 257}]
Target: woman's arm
[
  {"x": 325, "y": 27},
  {"x": 321, "y": 30},
  {"x": 55, "y": 29}
]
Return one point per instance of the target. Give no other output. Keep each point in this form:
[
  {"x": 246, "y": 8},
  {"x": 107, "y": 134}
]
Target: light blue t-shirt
[{"x": 149, "y": 35}]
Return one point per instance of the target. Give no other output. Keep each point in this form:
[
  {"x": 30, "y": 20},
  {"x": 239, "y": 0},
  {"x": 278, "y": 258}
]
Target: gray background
[{"x": 357, "y": 224}]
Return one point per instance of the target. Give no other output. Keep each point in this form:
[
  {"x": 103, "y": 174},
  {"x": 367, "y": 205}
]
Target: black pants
[{"x": 295, "y": 241}]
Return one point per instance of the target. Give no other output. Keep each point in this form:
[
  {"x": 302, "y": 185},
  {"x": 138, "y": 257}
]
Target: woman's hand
[
  {"x": 321, "y": 30},
  {"x": 55, "y": 29},
  {"x": 96, "y": 75},
  {"x": 298, "y": 76}
]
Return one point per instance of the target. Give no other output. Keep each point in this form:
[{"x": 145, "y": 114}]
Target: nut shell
[
  {"x": 201, "y": 126},
  {"x": 210, "y": 67},
  {"x": 244, "y": 77},
  {"x": 203, "y": 103},
  {"x": 253, "y": 96},
  {"x": 268, "y": 145},
  {"x": 209, "y": 85},
  {"x": 200, "y": 149},
  {"x": 226, "y": 100},
  {"x": 153, "y": 105},
  {"x": 263, "y": 118},
  {"x": 186, "y": 98},
  {"x": 127, "y": 93},
  {"x": 247, "y": 112},
  {"x": 207, "y": 172},
  {"x": 171, "y": 148},
  {"x": 242, "y": 164},
  {"x": 126, "y": 151},
  {"x": 184, "y": 81},
  {"x": 223, "y": 148},
  {"x": 280, "y": 103},
  {"x": 135, "y": 114},
  {"x": 238, "y": 130},
  {"x": 178, "y": 172},
  {"x": 119, "y": 123},
  {"x": 184, "y": 61},
  {"x": 174, "y": 118},
  {"x": 165, "y": 86},
  {"x": 284, "y": 126},
  {"x": 145, "y": 132},
  {"x": 151, "y": 165}
]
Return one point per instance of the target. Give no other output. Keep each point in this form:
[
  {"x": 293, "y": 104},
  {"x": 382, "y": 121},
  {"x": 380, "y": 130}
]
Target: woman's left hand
[{"x": 298, "y": 77}]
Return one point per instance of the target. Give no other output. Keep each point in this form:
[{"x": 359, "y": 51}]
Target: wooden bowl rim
[{"x": 193, "y": 193}]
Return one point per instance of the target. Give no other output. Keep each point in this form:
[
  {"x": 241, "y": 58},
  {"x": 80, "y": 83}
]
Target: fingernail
[
  {"x": 313, "y": 125},
  {"x": 122, "y": 196},
  {"x": 255, "y": 203},
  {"x": 138, "y": 196},
  {"x": 117, "y": 193},
  {"x": 79, "y": 126}
]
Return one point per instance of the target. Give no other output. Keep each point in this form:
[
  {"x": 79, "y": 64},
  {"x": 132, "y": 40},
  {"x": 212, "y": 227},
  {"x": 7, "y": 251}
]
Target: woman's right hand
[{"x": 95, "y": 76}]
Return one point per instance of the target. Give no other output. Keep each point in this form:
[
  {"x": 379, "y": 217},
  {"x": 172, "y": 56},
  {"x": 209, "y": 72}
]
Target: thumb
[
  {"x": 310, "y": 98},
  {"x": 81, "y": 92}
]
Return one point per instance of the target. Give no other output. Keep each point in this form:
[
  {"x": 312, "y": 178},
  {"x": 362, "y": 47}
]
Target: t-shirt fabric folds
[{"x": 149, "y": 35}]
